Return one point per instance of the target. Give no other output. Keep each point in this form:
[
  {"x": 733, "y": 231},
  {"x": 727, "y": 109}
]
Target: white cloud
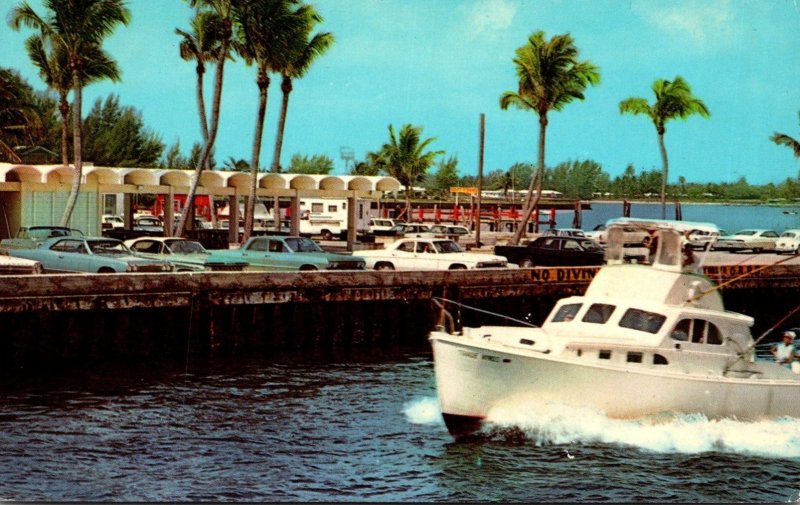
[
  {"x": 706, "y": 25},
  {"x": 490, "y": 16}
]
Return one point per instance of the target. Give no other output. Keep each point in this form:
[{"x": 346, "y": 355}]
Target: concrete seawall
[{"x": 66, "y": 320}]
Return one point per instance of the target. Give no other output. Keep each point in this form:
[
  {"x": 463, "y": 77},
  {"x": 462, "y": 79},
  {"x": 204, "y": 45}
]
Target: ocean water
[
  {"x": 365, "y": 428},
  {"x": 727, "y": 217}
]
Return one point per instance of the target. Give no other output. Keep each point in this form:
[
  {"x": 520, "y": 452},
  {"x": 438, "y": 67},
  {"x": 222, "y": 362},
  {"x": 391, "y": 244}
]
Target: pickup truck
[
  {"x": 553, "y": 251},
  {"x": 279, "y": 253}
]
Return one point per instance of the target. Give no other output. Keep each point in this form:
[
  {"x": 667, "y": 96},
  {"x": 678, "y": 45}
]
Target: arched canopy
[{"x": 209, "y": 180}]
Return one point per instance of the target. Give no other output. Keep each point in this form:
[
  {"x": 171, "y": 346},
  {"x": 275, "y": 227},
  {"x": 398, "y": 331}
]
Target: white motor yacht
[{"x": 644, "y": 339}]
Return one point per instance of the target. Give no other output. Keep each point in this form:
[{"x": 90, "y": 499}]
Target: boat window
[
  {"x": 598, "y": 313},
  {"x": 659, "y": 360},
  {"x": 705, "y": 332},
  {"x": 634, "y": 357},
  {"x": 566, "y": 313},
  {"x": 642, "y": 320},
  {"x": 604, "y": 355},
  {"x": 714, "y": 336},
  {"x": 682, "y": 329}
]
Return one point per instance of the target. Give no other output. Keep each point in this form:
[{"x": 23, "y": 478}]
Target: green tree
[
  {"x": 550, "y": 77},
  {"x": 439, "y": 183},
  {"x": 236, "y": 165},
  {"x": 53, "y": 64},
  {"x": 264, "y": 28},
  {"x": 115, "y": 136},
  {"x": 783, "y": 139},
  {"x": 365, "y": 168},
  {"x": 301, "y": 52},
  {"x": 79, "y": 29},
  {"x": 20, "y": 116},
  {"x": 405, "y": 157},
  {"x": 520, "y": 175},
  {"x": 222, "y": 9},
  {"x": 316, "y": 164},
  {"x": 673, "y": 100}
]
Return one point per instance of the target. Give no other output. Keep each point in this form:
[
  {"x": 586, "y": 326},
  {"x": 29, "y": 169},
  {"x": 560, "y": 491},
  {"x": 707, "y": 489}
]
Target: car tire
[
  {"x": 526, "y": 263},
  {"x": 106, "y": 270},
  {"x": 308, "y": 268},
  {"x": 757, "y": 250},
  {"x": 384, "y": 266},
  {"x": 457, "y": 267},
  {"x": 327, "y": 235}
]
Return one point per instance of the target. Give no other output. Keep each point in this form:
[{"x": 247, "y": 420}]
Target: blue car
[{"x": 89, "y": 254}]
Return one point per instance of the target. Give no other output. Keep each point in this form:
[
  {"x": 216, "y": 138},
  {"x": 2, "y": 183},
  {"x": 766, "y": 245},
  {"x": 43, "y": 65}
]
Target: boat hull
[{"x": 473, "y": 376}]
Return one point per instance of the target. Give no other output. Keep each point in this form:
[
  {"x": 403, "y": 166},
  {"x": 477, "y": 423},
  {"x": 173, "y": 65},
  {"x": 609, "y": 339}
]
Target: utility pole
[{"x": 480, "y": 178}]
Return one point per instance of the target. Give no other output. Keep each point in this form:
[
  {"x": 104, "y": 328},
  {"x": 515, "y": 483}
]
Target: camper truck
[{"x": 327, "y": 217}]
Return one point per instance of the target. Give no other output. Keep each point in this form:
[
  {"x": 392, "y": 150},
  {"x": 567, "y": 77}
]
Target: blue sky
[{"x": 439, "y": 64}]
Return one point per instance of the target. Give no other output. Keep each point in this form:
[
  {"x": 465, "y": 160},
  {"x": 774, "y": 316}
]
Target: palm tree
[
  {"x": 674, "y": 99},
  {"x": 302, "y": 54},
  {"x": 223, "y": 10},
  {"x": 201, "y": 45},
  {"x": 263, "y": 28},
  {"x": 18, "y": 113},
  {"x": 550, "y": 77},
  {"x": 79, "y": 28},
  {"x": 53, "y": 65},
  {"x": 404, "y": 158},
  {"x": 782, "y": 139}
]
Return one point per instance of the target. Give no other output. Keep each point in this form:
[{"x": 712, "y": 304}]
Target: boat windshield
[
  {"x": 598, "y": 313},
  {"x": 566, "y": 313},
  {"x": 642, "y": 320}
]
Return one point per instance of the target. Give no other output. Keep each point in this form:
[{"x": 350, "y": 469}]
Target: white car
[
  {"x": 381, "y": 226},
  {"x": 450, "y": 230},
  {"x": 788, "y": 242},
  {"x": 428, "y": 254},
  {"x": 756, "y": 240},
  {"x": 112, "y": 221}
]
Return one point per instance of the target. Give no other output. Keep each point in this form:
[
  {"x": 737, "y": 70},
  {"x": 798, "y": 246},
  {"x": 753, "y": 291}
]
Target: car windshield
[
  {"x": 788, "y": 234},
  {"x": 107, "y": 247},
  {"x": 590, "y": 245},
  {"x": 447, "y": 246},
  {"x": 43, "y": 233},
  {"x": 302, "y": 244},
  {"x": 185, "y": 246},
  {"x": 745, "y": 232}
]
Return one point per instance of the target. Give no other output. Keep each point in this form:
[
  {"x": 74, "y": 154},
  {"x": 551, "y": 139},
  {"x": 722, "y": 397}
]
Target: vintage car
[
  {"x": 755, "y": 240},
  {"x": 428, "y": 254},
  {"x": 554, "y": 251},
  {"x": 112, "y": 221},
  {"x": 382, "y": 226},
  {"x": 563, "y": 232},
  {"x": 89, "y": 254},
  {"x": 280, "y": 253},
  {"x": 187, "y": 255},
  {"x": 788, "y": 242},
  {"x": 29, "y": 237},
  {"x": 449, "y": 230},
  {"x": 410, "y": 229},
  {"x": 18, "y": 266},
  {"x": 149, "y": 224}
]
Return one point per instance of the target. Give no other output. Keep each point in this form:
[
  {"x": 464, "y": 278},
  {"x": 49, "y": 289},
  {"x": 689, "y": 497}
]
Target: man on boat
[{"x": 784, "y": 351}]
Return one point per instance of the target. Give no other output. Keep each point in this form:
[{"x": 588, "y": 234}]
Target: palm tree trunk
[
  {"x": 77, "y": 146},
  {"x": 536, "y": 183},
  {"x": 263, "y": 87},
  {"x": 63, "y": 108},
  {"x": 286, "y": 88},
  {"x": 665, "y": 175},
  {"x": 212, "y": 136},
  {"x": 201, "y": 102}
]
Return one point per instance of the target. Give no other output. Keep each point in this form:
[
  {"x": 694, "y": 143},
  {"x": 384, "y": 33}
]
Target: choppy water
[{"x": 285, "y": 429}]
